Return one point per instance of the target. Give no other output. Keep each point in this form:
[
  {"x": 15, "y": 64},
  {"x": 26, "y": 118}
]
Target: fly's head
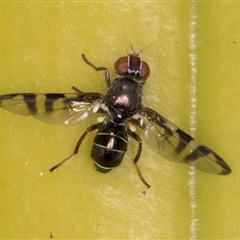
[{"x": 133, "y": 67}]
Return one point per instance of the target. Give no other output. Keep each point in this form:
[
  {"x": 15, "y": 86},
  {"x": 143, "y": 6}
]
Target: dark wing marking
[
  {"x": 174, "y": 144},
  {"x": 58, "y": 108}
]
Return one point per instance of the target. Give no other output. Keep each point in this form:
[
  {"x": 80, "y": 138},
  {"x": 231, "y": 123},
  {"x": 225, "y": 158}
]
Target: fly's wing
[
  {"x": 57, "y": 108},
  {"x": 174, "y": 144}
]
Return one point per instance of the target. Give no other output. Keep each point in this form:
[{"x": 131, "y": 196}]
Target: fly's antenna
[{"x": 137, "y": 54}]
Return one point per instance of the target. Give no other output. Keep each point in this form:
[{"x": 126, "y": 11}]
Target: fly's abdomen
[{"x": 109, "y": 147}]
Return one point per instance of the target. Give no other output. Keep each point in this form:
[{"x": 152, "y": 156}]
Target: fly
[{"x": 122, "y": 108}]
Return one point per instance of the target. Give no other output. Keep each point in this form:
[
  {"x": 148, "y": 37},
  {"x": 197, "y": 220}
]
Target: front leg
[{"x": 106, "y": 71}]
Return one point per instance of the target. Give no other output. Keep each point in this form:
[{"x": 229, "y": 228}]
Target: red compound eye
[
  {"x": 121, "y": 65},
  {"x": 144, "y": 71}
]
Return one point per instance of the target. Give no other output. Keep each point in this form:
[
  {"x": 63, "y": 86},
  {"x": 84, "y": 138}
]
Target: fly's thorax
[{"x": 123, "y": 99}]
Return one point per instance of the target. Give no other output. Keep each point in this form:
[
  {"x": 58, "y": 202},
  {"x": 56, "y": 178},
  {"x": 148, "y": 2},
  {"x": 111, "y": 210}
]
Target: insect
[{"x": 122, "y": 107}]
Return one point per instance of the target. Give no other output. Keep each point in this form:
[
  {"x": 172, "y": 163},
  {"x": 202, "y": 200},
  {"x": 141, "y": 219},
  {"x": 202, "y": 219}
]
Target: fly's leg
[
  {"x": 77, "y": 90},
  {"x": 139, "y": 140},
  {"x": 106, "y": 71},
  {"x": 93, "y": 127}
]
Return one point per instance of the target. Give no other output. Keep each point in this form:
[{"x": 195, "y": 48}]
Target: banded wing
[
  {"x": 57, "y": 108},
  {"x": 174, "y": 144}
]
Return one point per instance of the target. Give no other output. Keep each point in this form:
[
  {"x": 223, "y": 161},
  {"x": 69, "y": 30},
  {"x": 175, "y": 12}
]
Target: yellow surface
[{"x": 40, "y": 45}]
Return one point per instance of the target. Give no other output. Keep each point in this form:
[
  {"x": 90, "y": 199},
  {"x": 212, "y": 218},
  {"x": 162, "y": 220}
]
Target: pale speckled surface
[{"x": 40, "y": 46}]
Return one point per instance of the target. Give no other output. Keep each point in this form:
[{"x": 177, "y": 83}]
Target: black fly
[{"x": 122, "y": 106}]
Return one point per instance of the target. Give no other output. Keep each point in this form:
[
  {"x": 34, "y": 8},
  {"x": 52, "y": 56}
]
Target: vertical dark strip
[
  {"x": 184, "y": 138},
  {"x": 30, "y": 99},
  {"x": 50, "y": 99}
]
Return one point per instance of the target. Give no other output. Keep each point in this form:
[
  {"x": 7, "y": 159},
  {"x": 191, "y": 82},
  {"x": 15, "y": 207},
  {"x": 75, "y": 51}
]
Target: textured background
[{"x": 40, "y": 47}]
